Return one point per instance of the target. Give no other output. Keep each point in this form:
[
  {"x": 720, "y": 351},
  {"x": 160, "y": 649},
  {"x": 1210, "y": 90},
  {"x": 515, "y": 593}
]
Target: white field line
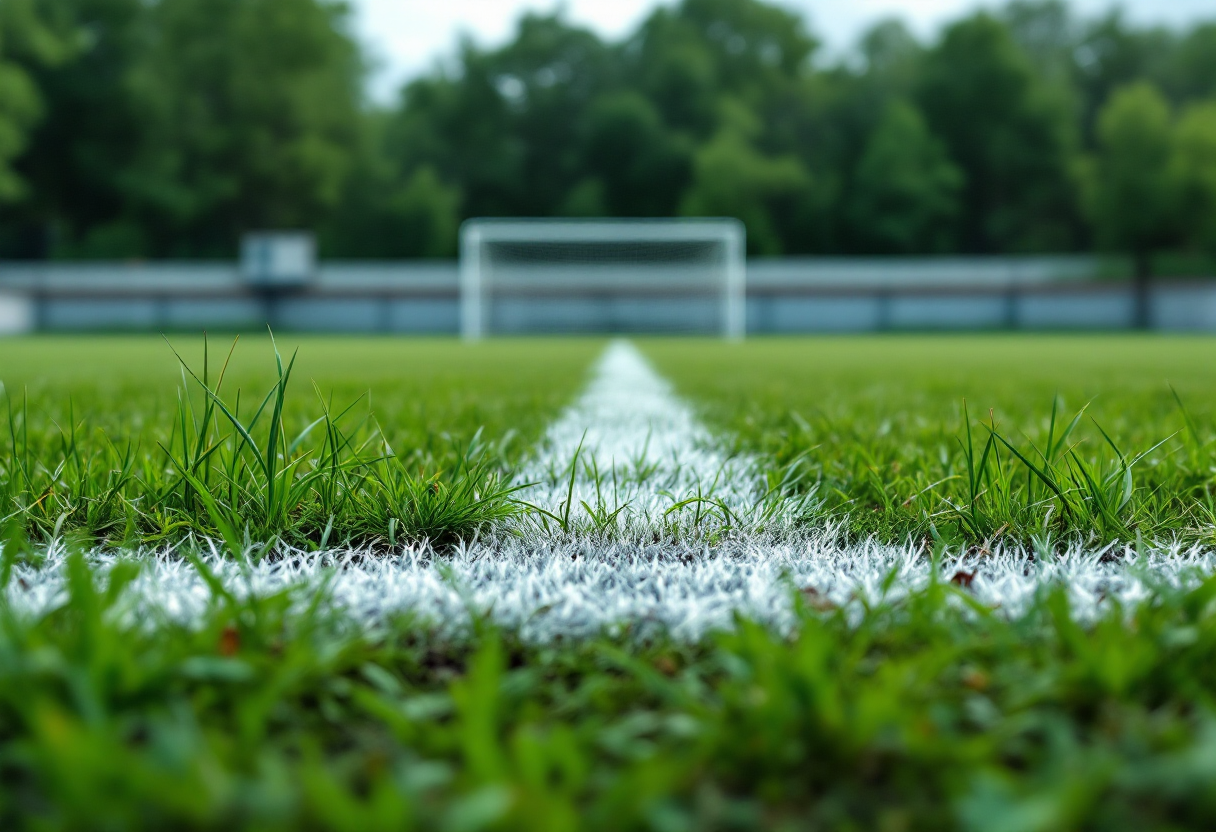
[
  {"x": 650, "y": 571},
  {"x": 632, "y": 454},
  {"x": 554, "y": 592}
]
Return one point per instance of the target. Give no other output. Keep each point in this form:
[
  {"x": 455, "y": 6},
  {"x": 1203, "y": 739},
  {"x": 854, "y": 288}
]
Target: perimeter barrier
[{"x": 784, "y": 295}]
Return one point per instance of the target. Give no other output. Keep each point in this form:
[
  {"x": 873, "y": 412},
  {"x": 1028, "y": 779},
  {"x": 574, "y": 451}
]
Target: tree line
[{"x": 165, "y": 128}]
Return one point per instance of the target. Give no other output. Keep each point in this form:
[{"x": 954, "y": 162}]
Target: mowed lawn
[
  {"x": 879, "y": 427},
  {"x": 963, "y": 439},
  {"x": 493, "y": 384},
  {"x": 114, "y": 439},
  {"x": 930, "y": 712}
]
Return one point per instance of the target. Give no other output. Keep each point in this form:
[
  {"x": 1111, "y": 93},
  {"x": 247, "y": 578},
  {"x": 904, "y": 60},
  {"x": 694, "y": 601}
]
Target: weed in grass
[
  {"x": 1049, "y": 487},
  {"x": 223, "y": 468},
  {"x": 440, "y": 506},
  {"x": 880, "y": 430}
]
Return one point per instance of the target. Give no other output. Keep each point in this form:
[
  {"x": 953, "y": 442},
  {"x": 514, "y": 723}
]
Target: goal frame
[{"x": 477, "y": 234}]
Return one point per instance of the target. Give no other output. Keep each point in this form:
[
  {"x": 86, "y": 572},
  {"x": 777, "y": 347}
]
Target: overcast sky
[{"x": 406, "y": 36}]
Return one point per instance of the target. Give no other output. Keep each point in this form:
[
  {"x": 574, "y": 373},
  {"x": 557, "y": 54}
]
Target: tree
[
  {"x": 904, "y": 195},
  {"x": 756, "y": 46},
  {"x": 1111, "y": 54},
  {"x": 891, "y": 52},
  {"x": 390, "y": 212},
  {"x": 687, "y": 59},
  {"x": 1046, "y": 32},
  {"x": 641, "y": 166},
  {"x": 91, "y": 130},
  {"x": 1194, "y": 172},
  {"x": 675, "y": 70},
  {"x": 77, "y": 54},
  {"x": 461, "y": 123},
  {"x": 424, "y": 217},
  {"x": 28, "y": 45},
  {"x": 508, "y": 125},
  {"x": 20, "y": 107},
  {"x": 1131, "y": 197},
  {"x": 825, "y": 120},
  {"x": 173, "y": 126},
  {"x": 733, "y": 179},
  {"x": 1192, "y": 67},
  {"x": 253, "y": 110},
  {"x": 550, "y": 75},
  {"x": 1009, "y": 132}
]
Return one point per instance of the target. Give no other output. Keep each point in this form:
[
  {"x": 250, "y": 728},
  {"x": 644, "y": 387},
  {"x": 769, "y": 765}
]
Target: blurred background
[{"x": 935, "y": 165}]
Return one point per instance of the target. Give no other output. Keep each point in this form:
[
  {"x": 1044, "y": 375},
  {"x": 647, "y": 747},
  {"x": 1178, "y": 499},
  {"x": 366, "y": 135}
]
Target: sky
[{"x": 406, "y": 37}]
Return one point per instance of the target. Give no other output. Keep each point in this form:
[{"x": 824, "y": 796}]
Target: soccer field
[
  {"x": 890, "y": 436},
  {"x": 896, "y": 582}
]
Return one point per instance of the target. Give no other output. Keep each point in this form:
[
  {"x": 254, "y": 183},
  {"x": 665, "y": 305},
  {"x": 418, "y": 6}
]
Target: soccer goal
[{"x": 521, "y": 276}]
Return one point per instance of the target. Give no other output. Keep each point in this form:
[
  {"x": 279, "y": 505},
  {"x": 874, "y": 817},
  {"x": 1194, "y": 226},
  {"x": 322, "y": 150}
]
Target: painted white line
[
  {"x": 681, "y": 591},
  {"x": 630, "y": 461}
]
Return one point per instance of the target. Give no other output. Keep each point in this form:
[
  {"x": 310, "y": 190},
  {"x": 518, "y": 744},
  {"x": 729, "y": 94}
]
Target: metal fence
[{"x": 792, "y": 295}]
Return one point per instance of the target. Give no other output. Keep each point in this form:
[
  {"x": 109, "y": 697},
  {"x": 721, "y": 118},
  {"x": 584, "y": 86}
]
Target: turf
[
  {"x": 926, "y": 714},
  {"x": 959, "y": 440},
  {"x": 976, "y": 440},
  {"x": 925, "y": 711},
  {"x": 136, "y": 441}
]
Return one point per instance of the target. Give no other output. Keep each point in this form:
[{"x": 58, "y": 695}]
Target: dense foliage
[{"x": 133, "y": 128}]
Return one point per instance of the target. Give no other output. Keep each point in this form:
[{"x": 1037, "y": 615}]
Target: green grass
[
  {"x": 971, "y": 440},
  {"x": 976, "y": 439},
  {"x": 930, "y": 713},
  {"x": 925, "y": 714},
  {"x": 324, "y": 442}
]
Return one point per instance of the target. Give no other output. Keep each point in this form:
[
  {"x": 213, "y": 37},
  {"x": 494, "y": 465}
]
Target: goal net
[{"x": 521, "y": 276}]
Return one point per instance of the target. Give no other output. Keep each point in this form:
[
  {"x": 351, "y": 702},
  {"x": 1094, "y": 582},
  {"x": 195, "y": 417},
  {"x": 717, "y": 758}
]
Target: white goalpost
[{"x": 654, "y": 275}]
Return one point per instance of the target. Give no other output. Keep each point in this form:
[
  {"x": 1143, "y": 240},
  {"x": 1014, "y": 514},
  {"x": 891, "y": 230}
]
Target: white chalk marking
[
  {"x": 550, "y": 592},
  {"x": 630, "y": 449}
]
